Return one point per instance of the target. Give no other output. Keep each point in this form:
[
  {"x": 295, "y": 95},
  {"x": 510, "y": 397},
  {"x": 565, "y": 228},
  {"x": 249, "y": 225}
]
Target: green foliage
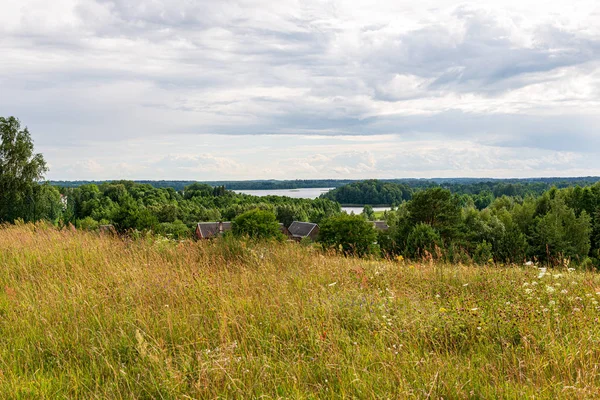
[
  {"x": 423, "y": 241},
  {"x": 20, "y": 171},
  {"x": 88, "y": 224},
  {"x": 176, "y": 230},
  {"x": 257, "y": 224},
  {"x": 350, "y": 234},
  {"x": 370, "y": 192},
  {"x": 437, "y": 208},
  {"x": 368, "y": 213},
  {"x": 560, "y": 234},
  {"x": 483, "y": 253}
]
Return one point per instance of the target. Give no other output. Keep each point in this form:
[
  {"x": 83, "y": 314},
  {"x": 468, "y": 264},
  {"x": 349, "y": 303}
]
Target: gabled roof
[
  {"x": 211, "y": 229},
  {"x": 301, "y": 229},
  {"x": 381, "y": 225}
]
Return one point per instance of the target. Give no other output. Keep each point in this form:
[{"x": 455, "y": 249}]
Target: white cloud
[{"x": 122, "y": 76}]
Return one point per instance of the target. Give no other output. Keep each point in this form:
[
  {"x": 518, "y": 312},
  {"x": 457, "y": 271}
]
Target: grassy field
[{"x": 88, "y": 316}]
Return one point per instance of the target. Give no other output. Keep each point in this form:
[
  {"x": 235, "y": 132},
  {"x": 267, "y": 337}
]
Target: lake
[{"x": 304, "y": 193}]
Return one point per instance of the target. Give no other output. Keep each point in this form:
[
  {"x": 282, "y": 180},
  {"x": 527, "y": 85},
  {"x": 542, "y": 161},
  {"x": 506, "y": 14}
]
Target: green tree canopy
[
  {"x": 257, "y": 224},
  {"x": 350, "y": 233},
  {"x": 20, "y": 169}
]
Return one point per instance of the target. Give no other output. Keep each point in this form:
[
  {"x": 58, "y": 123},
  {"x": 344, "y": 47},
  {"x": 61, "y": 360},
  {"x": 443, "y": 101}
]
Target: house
[
  {"x": 380, "y": 225},
  {"x": 207, "y": 230},
  {"x": 300, "y": 230}
]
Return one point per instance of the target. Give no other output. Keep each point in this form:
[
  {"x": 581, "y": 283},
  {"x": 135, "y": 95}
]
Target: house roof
[
  {"x": 301, "y": 229},
  {"x": 382, "y": 225},
  {"x": 211, "y": 229}
]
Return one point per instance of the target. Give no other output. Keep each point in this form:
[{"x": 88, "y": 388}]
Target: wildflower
[
  {"x": 534, "y": 283},
  {"x": 556, "y": 276},
  {"x": 576, "y": 309},
  {"x": 443, "y": 310},
  {"x": 526, "y": 284},
  {"x": 528, "y": 291},
  {"x": 550, "y": 289},
  {"x": 465, "y": 285},
  {"x": 551, "y": 303},
  {"x": 474, "y": 309},
  {"x": 528, "y": 263},
  {"x": 564, "y": 291},
  {"x": 570, "y": 269},
  {"x": 437, "y": 296}
]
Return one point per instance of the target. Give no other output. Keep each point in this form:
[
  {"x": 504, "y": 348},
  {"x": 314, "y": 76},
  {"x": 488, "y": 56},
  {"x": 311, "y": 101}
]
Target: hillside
[{"x": 89, "y": 316}]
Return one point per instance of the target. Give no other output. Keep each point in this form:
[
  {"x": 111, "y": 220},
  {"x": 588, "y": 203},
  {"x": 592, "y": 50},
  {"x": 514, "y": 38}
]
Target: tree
[
  {"x": 257, "y": 224},
  {"x": 349, "y": 233},
  {"x": 437, "y": 208},
  {"x": 560, "y": 234},
  {"x": 20, "y": 169},
  {"x": 368, "y": 213},
  {"x": 423, "y": 240}
]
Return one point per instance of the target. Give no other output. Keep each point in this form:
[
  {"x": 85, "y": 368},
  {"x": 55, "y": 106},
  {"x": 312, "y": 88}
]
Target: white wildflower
[
  {"x": 550, "y": 289},
  {"x": 564, "y": 291}
]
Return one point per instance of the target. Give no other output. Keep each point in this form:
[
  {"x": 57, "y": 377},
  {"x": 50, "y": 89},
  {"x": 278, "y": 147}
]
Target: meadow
[{"x": 89, "y": 316}]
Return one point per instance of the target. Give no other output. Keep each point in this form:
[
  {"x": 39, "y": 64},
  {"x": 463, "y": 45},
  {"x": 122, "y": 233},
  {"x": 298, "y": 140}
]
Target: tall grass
[{"x": 89, "y": 316}]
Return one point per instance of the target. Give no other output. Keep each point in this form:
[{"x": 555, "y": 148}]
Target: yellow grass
[{"x": 88, "y": 316}]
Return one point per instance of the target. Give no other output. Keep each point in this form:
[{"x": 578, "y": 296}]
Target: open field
[{"x": 88, "y": 316}]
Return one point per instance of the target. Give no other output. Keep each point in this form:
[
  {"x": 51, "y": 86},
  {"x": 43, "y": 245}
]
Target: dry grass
[{"x": 85, "y": 316}]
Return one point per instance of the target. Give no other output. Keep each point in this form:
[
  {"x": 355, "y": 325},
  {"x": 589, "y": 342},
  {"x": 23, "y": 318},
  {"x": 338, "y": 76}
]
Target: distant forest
[{"x": 455, "y": 185}]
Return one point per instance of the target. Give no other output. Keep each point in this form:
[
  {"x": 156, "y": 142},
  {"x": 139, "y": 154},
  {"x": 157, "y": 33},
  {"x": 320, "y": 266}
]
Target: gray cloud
[{"x": 94, "y": 71}]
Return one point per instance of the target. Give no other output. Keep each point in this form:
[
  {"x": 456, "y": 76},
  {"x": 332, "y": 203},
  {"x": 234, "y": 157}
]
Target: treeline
[
  {"x": 482, "y": 193},
  {"x": 230, "y": 185},
  {"x": 128, "y": 205},
  {"x": 373, "y": 192},
  {"x": 559, "y": 225},
  {"x": 499, "y": 187}
]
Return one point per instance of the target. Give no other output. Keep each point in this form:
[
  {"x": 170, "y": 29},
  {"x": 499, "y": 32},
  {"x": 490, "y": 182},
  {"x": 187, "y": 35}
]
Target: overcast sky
[{"x": 297, "y": 89}]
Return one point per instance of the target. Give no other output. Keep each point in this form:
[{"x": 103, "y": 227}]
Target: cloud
[{"x": 508, "y": 75}]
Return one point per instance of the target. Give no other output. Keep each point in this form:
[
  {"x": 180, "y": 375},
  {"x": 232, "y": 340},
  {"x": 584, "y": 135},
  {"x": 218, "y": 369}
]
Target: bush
[
  {"x": 423, "y": 239},
  {"x": 350, "y": 234},
  {"x": 257, "y": 224},
  {"x": 483, "y": 253}
]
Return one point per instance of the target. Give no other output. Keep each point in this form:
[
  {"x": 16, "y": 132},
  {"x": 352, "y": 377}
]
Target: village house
[
  {"x": 300, "y": 230},
  {"x": 380, "y": 225},
  {"x": 207, "y": 230}
]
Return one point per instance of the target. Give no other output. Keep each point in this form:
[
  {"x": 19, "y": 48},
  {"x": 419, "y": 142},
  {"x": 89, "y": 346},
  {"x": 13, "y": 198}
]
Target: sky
[{"x": 304, "y": 89}]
